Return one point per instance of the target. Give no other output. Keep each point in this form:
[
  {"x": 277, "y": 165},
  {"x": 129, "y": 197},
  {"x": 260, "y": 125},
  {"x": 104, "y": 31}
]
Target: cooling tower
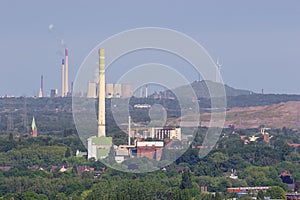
[
  {"x": 109, "y": 90},
  {"x": 92, "y": 90},
  {"x": 117, "y": 90},
  {"x": 126, "y": 91}
]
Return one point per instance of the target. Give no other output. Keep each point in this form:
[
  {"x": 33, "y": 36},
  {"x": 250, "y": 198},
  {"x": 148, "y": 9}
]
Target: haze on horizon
[{"x": 257, "y": 42}]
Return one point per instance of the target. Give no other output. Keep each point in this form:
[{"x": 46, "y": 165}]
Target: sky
[{"x": 257, "y": 42}]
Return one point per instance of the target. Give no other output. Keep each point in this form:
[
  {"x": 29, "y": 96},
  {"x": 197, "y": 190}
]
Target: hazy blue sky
[{"x": 258, "y": 42}]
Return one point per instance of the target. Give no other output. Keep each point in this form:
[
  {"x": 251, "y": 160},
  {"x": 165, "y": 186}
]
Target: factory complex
[{"x": 148, "y": 141}]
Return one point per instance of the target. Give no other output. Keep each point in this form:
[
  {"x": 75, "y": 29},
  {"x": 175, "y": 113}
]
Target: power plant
[
  {"x": 100, "y": 145},
  {"x": 117, "y": 90},
  {"x": 65, "y": 92}
]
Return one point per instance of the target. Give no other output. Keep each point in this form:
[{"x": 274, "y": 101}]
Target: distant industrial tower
[
  {"x": 53, "y": 93},
  {"x": 72, "y": 89},
  {"x": 218, "y": 72},
  {"x": 99, "y": 146},
  {"x": 41, "y": 93},
  {"x": 65, "y": 75},
  {"x": 92, "y": 90},
  {"x": 62, "y": 78},
  {"x": 101, "y": 95},
  {"x": 146, "y": 91},
  {"x": 33, "y": 130},
  {"x": 67, "y": 72}
]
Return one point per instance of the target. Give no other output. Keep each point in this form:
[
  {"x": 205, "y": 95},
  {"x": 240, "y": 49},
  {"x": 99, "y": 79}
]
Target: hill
[
  {"x": 201, "y": 89},
  {"x": 285, "y": 114}
]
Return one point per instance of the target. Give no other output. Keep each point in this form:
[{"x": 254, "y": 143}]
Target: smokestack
[
  {"x": 42, "y": 85},
  {"x": 41, "y": 88},
  {"x": 72, "y": 88},
  {"x": 146, "y": 91},
  {"x": 129, "y": 129},
  {"x": 141, "y": 92},
  {"x": 67, "y": 72},
  {"x": 62, "y": 78},
  {"x": 101, "y": 94}
]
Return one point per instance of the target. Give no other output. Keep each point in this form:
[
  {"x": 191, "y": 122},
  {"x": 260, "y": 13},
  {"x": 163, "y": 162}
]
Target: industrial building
[
  {"x": 123, "y": 152},
  {"x": 150, "y": 149},
  {"x": 159, "y": 133},
  {"x": 53, "y": 93},
  {"x": 99, "y": 146},
  {"x": 141, "y": 147}
]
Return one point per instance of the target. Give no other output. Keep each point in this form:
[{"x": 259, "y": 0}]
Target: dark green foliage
[
  {"x": 245, "y": 197},
  {"x": 150, "y": 186},
  {"x": 186, "y": 180},
  {"x": 11, "y": 137},
  {"x": 205, "y": 196},
  {"x": 275, "y": 192},
  {"x": 68, "y": 153},
  {"x": 260, "y": 195}
]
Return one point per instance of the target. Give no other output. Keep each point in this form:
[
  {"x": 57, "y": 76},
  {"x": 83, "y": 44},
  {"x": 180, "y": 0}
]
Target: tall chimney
[
  {"x": 129, "y": 129},
  {"x": 67, "y": 72},
  {"x": 42, "y": 86},
  {"x": 101, "y": 94},
  {"x": 72, "y": 88},
  {"x": 141, "y": 92},
  {"x": 62, "y": 78},
  {"x": 146, "y": 91}
]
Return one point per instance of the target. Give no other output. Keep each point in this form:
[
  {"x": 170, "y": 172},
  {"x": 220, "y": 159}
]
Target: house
[{"x": 5, "y": 168}]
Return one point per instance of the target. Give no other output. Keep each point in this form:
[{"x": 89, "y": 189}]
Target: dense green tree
[
  {"x": 204, "y": 196},
  {"x": 33, "y": 196},
  {"x": 218, "y": 196},
  {"x": 68, "y": 153},
  {"x": 60, "y": 196},
  {"x": 11, "y": 137},
  {"x": 245, "y": 197},
  {"x": 260, "y": 195},
  {"x": 186, "y": 180},
  {"x": 276, "y": 192}
]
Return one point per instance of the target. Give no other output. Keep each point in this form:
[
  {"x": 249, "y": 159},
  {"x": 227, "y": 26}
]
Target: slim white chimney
[
  {"x": 66, "y": 73},
  {"x": 101, "y": 95},
  {"x": 62, "y": 78},
  {"x": 129, "y": 129},
  {"x": 146, "y": 91}
]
